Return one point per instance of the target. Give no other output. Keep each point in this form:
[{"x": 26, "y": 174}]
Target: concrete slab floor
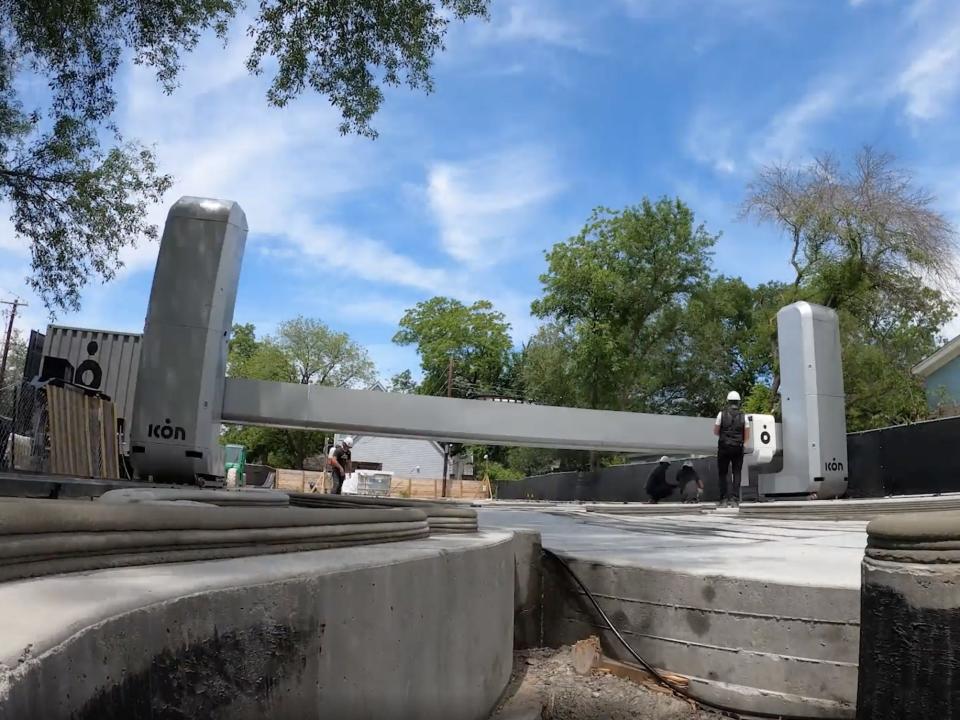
[{"x": 794, "y": 552}]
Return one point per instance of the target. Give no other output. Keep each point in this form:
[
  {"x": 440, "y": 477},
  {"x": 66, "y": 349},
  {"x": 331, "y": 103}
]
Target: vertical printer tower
[
  {"x": 179, "y": 395},
  {"x": 814, "y": 434}
]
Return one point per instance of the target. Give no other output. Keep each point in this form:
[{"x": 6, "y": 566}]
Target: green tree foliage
[
  {"x": 540, "y": 461},
  {"x": 866, "y": 241},
  {"x": 403, "y": 382},
  {"x": 724, "y": 341},
  {"x": 304, "y": 351},
  {"x": 614, "y": 294},
  {"x": 319, "y": 355},
  {"x": 476, "y": 337},
  {"x": 760, "y": 399},
  {"x": 80, "y": 192},
  {"x": 16, "y": 358},
  {"x": 497, "y": 472}
]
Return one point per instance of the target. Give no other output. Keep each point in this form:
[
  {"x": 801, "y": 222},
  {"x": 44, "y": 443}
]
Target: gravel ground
[{"x": 546, "y": 687}]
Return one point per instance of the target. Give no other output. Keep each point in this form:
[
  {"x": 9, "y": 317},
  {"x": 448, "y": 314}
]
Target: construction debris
[{"x": 578, "y": 683}]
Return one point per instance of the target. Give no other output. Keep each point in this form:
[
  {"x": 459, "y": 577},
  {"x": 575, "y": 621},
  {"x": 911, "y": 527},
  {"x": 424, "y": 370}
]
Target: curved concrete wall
[
  {"x": 748, "y": 644},
  {"x": 420, "y": 630}
]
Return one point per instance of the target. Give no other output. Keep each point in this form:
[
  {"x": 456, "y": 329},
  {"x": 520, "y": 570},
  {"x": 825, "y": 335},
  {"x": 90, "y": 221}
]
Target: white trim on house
[{"x": 928, "y": 366}]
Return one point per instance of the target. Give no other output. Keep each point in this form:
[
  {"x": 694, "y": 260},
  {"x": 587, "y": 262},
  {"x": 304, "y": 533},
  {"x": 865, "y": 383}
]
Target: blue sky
[{"x": 547, "y": 110}]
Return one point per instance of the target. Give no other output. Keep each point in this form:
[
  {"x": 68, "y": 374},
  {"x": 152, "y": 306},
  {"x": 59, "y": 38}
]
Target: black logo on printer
[{"x": 166, "y": 431}]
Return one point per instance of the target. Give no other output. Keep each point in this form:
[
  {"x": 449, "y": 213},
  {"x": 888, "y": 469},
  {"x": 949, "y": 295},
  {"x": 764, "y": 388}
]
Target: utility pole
[
  {"x": 14, "y": 304},
  {"x": 446, "y": 446}
]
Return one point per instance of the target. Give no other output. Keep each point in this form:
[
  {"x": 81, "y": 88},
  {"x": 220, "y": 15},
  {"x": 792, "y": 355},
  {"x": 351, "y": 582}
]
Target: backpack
[{"x": 731, "y": 428}]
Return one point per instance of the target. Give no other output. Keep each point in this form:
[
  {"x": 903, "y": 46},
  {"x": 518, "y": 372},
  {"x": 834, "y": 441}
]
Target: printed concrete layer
[
  {"x": 242, "y": 497},
  {"x": 866, "y": 509},
  {"x": 443, "y": 517},
  {"x": 417, "y": 630},
  {"x": 649, "y": 509},
  {"x": 761, "y": 615},
  {"x": 45, "y": 537}
]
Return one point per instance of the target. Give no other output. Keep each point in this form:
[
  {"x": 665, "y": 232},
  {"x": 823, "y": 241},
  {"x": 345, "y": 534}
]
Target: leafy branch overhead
[{"x": 80, "y": 192}]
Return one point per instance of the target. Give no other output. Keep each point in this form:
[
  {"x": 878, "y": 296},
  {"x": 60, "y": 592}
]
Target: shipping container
[{"x": 103, "y": 360}]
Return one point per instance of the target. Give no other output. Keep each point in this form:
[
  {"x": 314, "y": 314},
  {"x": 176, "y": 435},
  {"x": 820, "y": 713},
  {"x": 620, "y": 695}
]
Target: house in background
[
  {"x": 941, "y": 378},
  {"x": 404, "y": 457}
]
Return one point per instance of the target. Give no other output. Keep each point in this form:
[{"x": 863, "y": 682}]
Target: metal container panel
[{"x": 117, "y": 355}]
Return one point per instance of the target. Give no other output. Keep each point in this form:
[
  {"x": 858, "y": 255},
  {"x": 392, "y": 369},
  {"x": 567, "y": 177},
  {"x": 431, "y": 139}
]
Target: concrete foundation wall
[
  {"x": 528, "y": 592},
  {"x": 747, "y": 644},
  {"x": 418, "y": 630}
]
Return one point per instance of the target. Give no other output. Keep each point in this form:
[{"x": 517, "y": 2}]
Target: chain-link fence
[{"x": 24, "y": 428}]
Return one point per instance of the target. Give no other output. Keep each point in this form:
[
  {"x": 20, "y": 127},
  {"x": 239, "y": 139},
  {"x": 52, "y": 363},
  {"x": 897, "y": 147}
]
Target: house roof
[{"x": 926, "y": 367}]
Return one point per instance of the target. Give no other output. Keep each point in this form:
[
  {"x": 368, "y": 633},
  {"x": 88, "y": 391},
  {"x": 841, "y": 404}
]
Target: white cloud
[
  {"x": 289, "y": 169},
  {"x": 485, "y": 207},
  {"x": 328, "y": 245},
  {"x": 537, "y": 21},
  {"x": 788, "y": 134},
  {"x": 751, "y": 10},
  {"x": 931, "y": 79},
  {"x": 710, "y": 141},
  {"x": 376, "y": 309}
]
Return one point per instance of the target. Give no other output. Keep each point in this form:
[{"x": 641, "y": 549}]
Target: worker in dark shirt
[
  {"x": 339, "y": 463},
  {"x": 658, "y": 487},
  {"x": 689, "y": 482},
  {"x": 732, "y": 433}
]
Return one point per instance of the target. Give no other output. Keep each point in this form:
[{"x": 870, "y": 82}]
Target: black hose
[{"x": 680, "y": 692}]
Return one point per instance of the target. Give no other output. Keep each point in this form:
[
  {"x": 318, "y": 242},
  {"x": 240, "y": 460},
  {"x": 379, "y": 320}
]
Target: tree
[
  {"x": 883, "y": 339},
  {"x": 242, "y": 345},
  {"x": 304, "y": 351},
  {"x": 867, "y": 242},
  {"x": 614, "y": 294},
  {"x": 550, "y": 375},
  {"x": 724, "y": 341},
  {"x": 16, "y": 358},
  {"x": 319, "y": 355},
  {"x": 475, "y": 337},
  {"x": 403, "y": 382},
  {"x": 80, "y": 192},
  {"x": 868, "y": 227}
]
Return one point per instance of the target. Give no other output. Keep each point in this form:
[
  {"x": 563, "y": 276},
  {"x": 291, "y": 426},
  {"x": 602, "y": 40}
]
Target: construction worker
[
  {"x": 657, "y": 486},
  {"x": 339, "y": 463},
  {"x": 732, "y": 433},
  {"x": 689, "y": 482}
]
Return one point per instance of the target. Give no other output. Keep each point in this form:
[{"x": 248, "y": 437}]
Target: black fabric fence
[
  {"x": 621, "y": 483},
  {"x": 904, "y": 460}
]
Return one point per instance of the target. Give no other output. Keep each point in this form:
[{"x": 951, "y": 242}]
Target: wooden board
[
  {"x": 432, "y": 488},
  {"x": 82, "y": 432},
  {"x": 300, "y": 480}
]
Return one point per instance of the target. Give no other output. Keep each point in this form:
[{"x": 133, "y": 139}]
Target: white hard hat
[
  {"x": 733, "y": 395},
  {"x": 348, "y": 441},
  {"x": 688, "y": 464},
  {"x": 665, "y": 459}
]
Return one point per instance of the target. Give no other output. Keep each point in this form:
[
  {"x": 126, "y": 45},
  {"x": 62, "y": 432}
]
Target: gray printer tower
[{"x": 179, "y": 395}]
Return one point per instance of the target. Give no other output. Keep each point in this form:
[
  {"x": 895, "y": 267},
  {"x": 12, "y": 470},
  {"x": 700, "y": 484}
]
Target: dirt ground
[{"x": 545, "y": 686}]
